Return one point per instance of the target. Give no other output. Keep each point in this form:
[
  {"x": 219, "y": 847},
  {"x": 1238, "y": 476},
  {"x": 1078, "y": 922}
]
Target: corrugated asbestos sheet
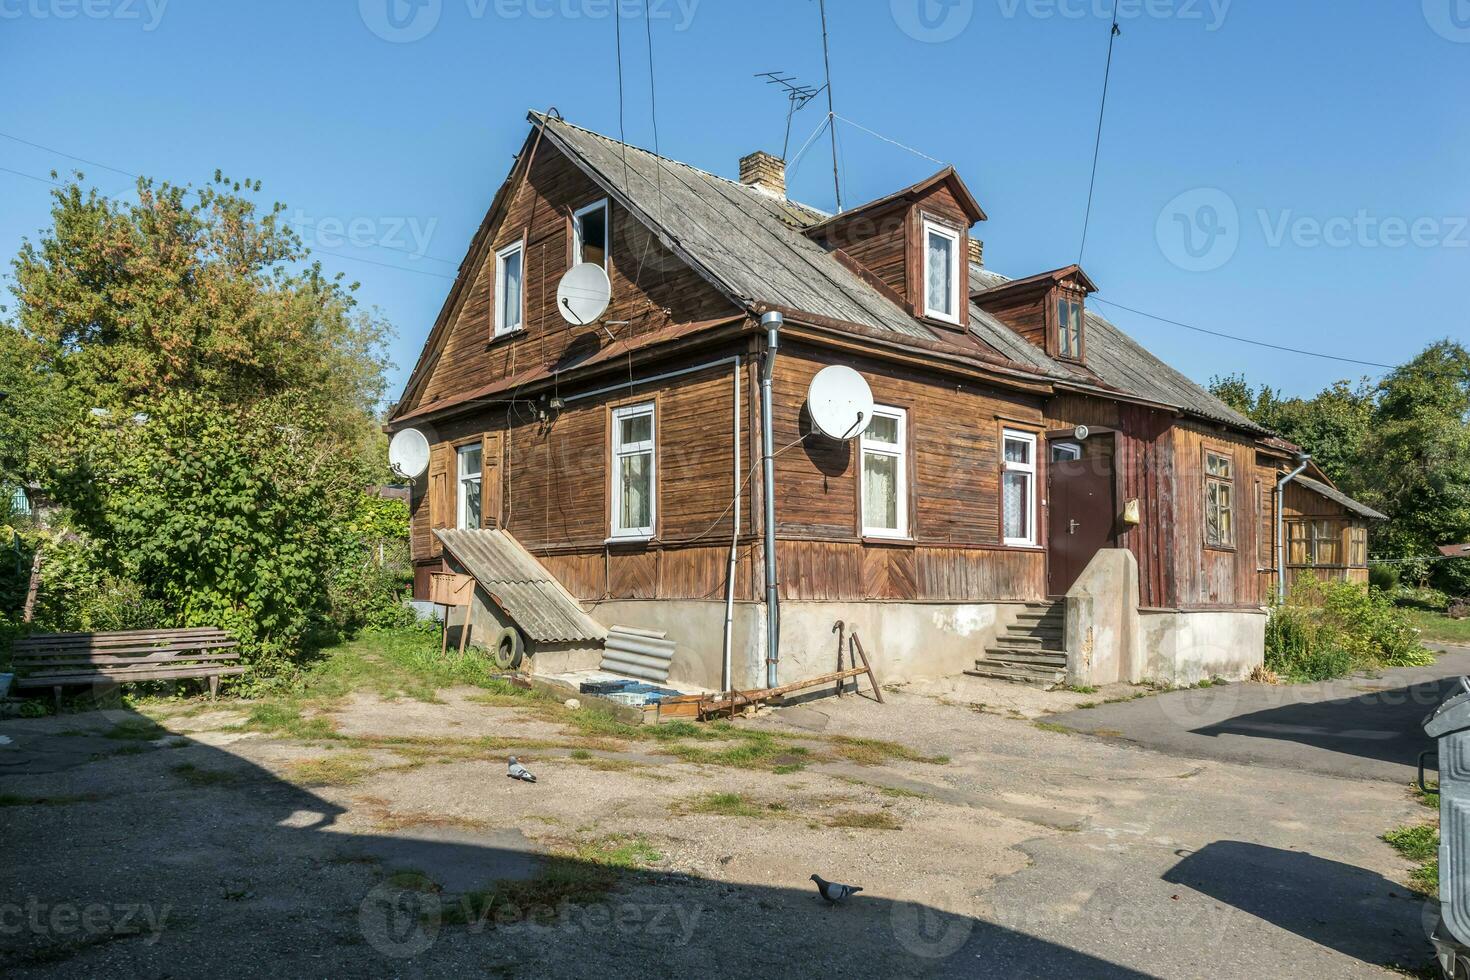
[
  {"x": 521, "y": 585},
  {"x": 646, "y": 654},
  {"x": 1331, "y": 493}
]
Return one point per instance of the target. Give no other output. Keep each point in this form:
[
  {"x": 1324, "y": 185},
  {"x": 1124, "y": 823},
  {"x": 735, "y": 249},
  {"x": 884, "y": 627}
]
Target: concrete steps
[{"x": 1031, "y": 651}]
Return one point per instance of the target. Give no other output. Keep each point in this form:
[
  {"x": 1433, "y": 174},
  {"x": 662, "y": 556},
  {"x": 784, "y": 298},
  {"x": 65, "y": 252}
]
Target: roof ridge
[{"x": 670, "y": 160}]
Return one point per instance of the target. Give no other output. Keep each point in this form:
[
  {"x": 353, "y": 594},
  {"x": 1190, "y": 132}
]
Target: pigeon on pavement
[
  {"x": 518, "y": 771},
  {"x": 832, "y": 891}
]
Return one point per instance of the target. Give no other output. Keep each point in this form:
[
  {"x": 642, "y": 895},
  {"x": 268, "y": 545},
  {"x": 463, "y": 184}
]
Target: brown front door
[{"x": 1080, "y": 493}]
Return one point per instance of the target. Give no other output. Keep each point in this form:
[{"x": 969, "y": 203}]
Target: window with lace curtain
[
  {"x": 941, "y": 272},
  {"x": 1018, "y": 488},
  {"x": 885, "y": 480},
  {"x": 633, "y": 471},
  {"x": 1219, "y": 500}
]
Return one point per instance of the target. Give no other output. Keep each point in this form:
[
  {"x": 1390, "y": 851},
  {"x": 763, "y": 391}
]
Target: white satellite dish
[
  {"x": 408, "y": 453},
  {"x": 840, "y": 401},
  {"x": 583, "y": 294}
]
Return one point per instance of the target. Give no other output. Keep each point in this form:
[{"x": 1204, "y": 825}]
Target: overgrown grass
[
  {"x": 1419, "y": 844},
  {"x": 1436, "y": 627},
  {"x": 875, "y": 752}
]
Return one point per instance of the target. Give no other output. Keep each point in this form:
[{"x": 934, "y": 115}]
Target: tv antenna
[{"x": 797, "y": 96}]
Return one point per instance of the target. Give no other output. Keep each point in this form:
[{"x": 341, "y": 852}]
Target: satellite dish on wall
[
  {"x": 408, "y": 453},
  {"x": 583, "y": 294},
  {"x": 840, "y": 401}
]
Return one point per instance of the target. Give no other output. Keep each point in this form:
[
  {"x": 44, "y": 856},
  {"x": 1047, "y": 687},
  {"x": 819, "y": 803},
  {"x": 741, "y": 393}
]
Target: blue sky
[{"x": 1290, "y": 172}]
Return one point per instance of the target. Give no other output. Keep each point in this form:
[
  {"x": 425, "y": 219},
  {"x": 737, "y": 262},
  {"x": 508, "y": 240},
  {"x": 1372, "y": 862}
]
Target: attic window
[
  {"x": 508, "y": 306},
  {"x": 589, "y": 234},
  {"x": 1069, "y": 328},
  {"x": 941, "y": 272}
]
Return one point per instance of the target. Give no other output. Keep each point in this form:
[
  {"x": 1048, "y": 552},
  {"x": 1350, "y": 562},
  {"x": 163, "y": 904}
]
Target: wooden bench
[{"x": 60, "y": 660}]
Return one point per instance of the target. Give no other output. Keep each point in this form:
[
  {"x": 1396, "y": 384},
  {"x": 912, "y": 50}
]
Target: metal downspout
[
  {"x": 772, "y": 321},
  {"x": 729, "y": 680},
  {"x": 1302, "y": 460}
]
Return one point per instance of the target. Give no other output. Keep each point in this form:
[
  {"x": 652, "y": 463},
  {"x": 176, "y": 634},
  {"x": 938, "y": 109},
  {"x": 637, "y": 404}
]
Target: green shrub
[
  {"x": 1328, "y": 629},
  {"x": 1385, "y": 577}
]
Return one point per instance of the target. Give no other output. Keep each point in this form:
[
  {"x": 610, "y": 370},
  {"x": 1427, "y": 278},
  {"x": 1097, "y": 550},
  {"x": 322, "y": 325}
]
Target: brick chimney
[
  {"x": 765, "y": 173},
  {"x": 977, "y": 251}
]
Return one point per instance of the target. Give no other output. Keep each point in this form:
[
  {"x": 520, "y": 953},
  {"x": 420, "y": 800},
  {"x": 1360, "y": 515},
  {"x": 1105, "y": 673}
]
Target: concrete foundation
[
  {"x": 541, "y": 657},
  {"x": 1186, "y": 647},
  {"x": 904, "y": 640},
  {"x": 1111, "y": 640}
]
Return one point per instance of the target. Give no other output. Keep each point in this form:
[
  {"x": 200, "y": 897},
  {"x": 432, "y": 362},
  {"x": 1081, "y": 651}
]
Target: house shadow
[
  {"x": 1345, "y": 908},
  {"x": 127, "y": 853},
  {"x": 1382, "y": 725}
]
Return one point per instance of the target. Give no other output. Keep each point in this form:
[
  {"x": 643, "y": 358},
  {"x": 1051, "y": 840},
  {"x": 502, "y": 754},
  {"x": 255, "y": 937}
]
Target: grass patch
[
  {"x": 1051, "y": 726},
  {"x": 288, "y": 718},
  {"x": 875, "y": 752},
  {"x": 1419, "y": 844},
  {"x": 14, "y": 799},
  {"x": 864, "y": 820},
  {"x": 136, "y": 730},
  {"x": 579, "y": 874},
  {"x": 338, "y": 769},
  {"x": 727, "y": 805},
  {"x": 1081, "y": 689},
  {"x": 196, "y": 776},
  {"x": 1436, "y": 627}
]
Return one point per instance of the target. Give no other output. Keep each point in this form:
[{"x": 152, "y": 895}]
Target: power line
[
  {"x": 1244, "y": 340},
  {"x": 901, "y": 146},
  {"x": 1097, "y": 144}
]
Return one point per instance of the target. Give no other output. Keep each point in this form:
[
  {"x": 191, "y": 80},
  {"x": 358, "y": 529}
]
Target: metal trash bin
[{"x": 1449, "y": 725}]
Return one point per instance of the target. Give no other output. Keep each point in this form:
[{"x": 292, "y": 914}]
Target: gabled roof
[
  {"x": 754, "y": 248},
  {"x": 1042, "y": 280},
  {"x": 1337, "y": 496},
  {"x": 962, "y": 194}
]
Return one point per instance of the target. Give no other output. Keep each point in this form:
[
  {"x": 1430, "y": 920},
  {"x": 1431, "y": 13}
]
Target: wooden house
[{"x": 1036, "y": 495}]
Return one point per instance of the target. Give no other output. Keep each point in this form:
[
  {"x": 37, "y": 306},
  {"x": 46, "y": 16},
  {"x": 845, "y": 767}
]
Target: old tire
[{"x": 509, "y": 649}]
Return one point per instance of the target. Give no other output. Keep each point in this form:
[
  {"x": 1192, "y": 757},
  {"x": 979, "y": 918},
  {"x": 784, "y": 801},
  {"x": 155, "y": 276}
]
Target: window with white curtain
[
  {"x": 470, "y": 473},
  {"x": 885, "y": 480},
  {"x": 508, "y": 279},
  {"x": 941, "y": 272},
  {"x": 1018, "y": 488},
  {"x": 633, "y": 465}
]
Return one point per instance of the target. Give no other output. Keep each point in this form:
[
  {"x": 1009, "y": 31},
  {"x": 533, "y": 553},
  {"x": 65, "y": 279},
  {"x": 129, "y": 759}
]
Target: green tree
[
  {"x": 1331, "y": 425},
  {"x": 1417, "y": 462}
]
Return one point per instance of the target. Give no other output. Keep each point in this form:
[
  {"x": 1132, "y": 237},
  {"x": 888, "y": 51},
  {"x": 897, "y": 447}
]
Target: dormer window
[
  {"x": 590, "y": 234},
  {"x": 1069, "y": 328},
  {"x": 941, "y": 272}
]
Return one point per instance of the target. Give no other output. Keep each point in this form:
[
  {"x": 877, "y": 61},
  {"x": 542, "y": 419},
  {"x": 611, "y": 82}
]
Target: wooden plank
[{"x": 121, "y": 676}]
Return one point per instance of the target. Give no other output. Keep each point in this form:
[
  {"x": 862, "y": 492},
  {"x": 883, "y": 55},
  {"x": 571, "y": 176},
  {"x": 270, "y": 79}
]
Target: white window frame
[
  {"x": 621, "y": 450},
  {"x": 944, "y": 231},
  {"x": 501, "y": 327},
  {"x": 461, "y": 478},
  {"x": 869, "y": 446},
  {"x": 1008, "y": 466},
  {"x": 1070, "y": 451},
  {"x": 601, "y": 205}
]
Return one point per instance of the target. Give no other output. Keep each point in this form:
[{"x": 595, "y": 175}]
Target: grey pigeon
[
  {"x": 518, "y": 771},
  {"x": 832, "y": 891}
]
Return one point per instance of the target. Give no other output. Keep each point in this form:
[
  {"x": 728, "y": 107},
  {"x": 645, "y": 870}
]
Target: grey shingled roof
[
  {"x": 1331, "y": 493},
  {"x": 521, "y": 586},
  {"x": 751, "y": 244},
  {"x": 1115, "y": 358},
  {"x": 748, "y": 240}
]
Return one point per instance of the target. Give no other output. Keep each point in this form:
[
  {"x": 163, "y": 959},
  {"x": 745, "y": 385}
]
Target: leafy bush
[
  {"x": 1385, "y": 577},
  {"x": 1328, "y": 629}
]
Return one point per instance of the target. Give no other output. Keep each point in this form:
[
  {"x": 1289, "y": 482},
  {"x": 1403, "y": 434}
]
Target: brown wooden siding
[
  {"x": 1206, "y": 575},
  {"x": 650, "y": 287}
]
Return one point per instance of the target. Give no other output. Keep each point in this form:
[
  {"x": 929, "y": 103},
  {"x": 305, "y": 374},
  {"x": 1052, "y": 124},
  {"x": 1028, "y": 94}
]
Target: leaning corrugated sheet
[{"x": 522, "y": 587}]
